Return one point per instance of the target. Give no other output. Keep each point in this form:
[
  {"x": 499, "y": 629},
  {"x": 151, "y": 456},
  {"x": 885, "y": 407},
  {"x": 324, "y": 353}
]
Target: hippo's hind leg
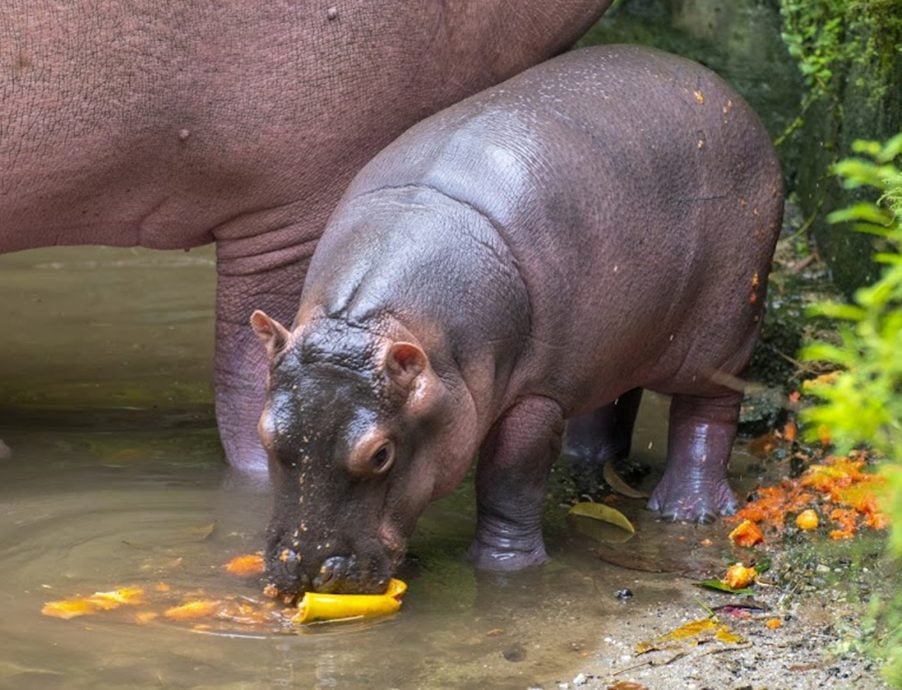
[
  {"x": 694, "y": 487},
  {"x": 513, "y": 469},
  {"x": 596, "y": 437}
]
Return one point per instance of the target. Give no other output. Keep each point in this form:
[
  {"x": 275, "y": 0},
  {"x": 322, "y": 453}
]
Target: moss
[{"x": 849, "y": 52}]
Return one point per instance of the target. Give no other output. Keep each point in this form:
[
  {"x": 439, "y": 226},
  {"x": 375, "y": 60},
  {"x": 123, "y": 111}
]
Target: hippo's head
[{"x": 361, "y": 434}]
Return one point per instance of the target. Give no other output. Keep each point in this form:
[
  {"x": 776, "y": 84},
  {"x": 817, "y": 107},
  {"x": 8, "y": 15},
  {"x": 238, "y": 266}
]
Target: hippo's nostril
[{"x": 332, "y": 574}]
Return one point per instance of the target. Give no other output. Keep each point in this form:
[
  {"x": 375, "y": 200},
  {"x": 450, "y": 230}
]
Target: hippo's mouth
[{"x": 290, "y": 573}]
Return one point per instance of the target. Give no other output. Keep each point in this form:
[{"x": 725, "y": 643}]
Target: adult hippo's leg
[
  {"x": 510, "y": 485},
  {"x": 694, "y": 487},
  {"x": 596, "y": 437},
  {"x": 266, "y": 271}
]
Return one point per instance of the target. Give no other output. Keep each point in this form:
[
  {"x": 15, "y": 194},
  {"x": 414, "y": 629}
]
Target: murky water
[{"x": 116, "y": 478}]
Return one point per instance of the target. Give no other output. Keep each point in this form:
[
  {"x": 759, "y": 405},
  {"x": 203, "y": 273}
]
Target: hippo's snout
[{"x": 293, "y": 573}]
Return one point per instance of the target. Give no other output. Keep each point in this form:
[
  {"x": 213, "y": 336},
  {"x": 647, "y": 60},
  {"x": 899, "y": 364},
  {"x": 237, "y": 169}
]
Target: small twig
[
  {"x": 633, "y": 667},
  {"x": 675, "y": 657},
  {"x": 806, "y": 224},
  {"x": 721, "y": 650}
]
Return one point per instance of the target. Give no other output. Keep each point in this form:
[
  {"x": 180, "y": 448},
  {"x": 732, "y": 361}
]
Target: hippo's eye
[{"x": 382, "y": 459}]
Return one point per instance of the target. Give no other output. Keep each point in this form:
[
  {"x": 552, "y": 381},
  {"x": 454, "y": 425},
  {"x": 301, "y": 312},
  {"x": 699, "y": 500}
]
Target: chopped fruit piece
[
  {"x": 739, "y": 576},
  {"x": 807, "y": 520},
  {"x": 192, "y": 609},
  {"x": 249, "y": 564},
  {"x": 747, "y": 534}
]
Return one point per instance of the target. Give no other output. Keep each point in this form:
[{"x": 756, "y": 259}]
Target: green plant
[
  {"x": 834, "y": 40},
  {"x": 862, "y": 405}
]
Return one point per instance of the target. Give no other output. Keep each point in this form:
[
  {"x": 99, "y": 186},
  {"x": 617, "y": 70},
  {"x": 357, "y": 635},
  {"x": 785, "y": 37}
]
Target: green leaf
[
  {"x": 722, "y": 587},
  {"x": 762, "y": 565}
]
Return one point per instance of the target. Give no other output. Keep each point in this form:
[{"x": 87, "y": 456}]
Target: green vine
[{"x": 834, "y": 40}]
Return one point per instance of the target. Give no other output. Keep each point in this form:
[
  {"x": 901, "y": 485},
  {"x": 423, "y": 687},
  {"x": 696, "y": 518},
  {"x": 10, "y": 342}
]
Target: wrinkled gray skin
[
  {"x": 174, "y": 124},
  {"x": 600, "y": 224}
]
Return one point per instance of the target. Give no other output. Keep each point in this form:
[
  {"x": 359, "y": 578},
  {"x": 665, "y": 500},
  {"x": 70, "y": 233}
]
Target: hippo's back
[{"x": 639, "y": 193}]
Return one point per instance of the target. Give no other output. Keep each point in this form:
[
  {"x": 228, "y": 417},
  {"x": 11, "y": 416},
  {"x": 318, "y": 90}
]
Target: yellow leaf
[
  {"x": 599, "y": 511},
  {"x": 615, "y": 481}
]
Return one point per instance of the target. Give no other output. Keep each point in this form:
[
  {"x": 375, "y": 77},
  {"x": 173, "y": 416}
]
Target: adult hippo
[
  {"x": 603, "y": 222},
  {"x": 174, "y": 124}
]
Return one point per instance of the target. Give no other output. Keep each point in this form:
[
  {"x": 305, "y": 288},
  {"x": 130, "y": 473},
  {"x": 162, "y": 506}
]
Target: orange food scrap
[
  {"x": 162, "y": 587},
  {"x": 118, "y": 597},
  {"x": 145, "y": 617},
  {"x": 747, "y": 534},
  {"x": 790, "y": 431},
  {"x": 199, "y": 608},
  {"x": 773, "y": 623},
  {"x": 739, "y": 576},
  {"x": 764, "y": 445},
  {"x": 69, "y": 608},
  {"x": 99, "y": 601},
  {"x": 807, "y": 520},
  {"x": 249, "y": 564},
  {"x": 845, "y": 519},
  {"x": 840, "y": 487}
]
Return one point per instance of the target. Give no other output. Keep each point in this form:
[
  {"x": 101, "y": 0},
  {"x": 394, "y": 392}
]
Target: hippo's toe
[{"x": 693, "y": 502}]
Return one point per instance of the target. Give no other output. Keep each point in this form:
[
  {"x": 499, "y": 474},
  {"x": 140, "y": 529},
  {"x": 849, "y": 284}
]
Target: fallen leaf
[
  {"x": 599, "y": 511},
  {"x": 694, "y": 631},
  {"x": 201, "y": 532},
  {"x": 773, "y": 623},
  {"x": 722, "y": 586},
  {"x": 616, "y": 482}
]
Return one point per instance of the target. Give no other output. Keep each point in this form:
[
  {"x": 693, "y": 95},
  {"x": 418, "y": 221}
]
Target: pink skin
[{"x": 167, "y": 125}]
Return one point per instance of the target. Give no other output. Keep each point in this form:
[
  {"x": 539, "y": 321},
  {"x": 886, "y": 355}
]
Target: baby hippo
[{"x": 597, "y": 225}]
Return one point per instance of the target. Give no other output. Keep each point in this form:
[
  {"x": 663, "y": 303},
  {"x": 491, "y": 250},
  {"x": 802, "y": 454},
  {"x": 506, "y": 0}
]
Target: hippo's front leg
[
  {"x": 510, "y": 485},
  {"x": 694, "y": 487}
]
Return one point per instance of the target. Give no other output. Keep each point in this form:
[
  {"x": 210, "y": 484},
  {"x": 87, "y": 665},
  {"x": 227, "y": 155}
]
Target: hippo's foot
[
  {"x": 694, "y": 487},
  {"x": 600, "y": 436},
  {"x": 500, "y": 548},
  {"x": 510, "y": 485},
  {"x": 679, "y": 499}
]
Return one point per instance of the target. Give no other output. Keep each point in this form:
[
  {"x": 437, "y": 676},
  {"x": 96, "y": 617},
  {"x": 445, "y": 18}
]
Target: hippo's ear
[
  {"x": 273, "y": 334},
  {"x": 404, "y": 362}
]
